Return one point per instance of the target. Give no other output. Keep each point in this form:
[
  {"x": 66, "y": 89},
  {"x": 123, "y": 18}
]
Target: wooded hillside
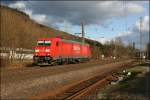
[{"x": 19, "y": 31}]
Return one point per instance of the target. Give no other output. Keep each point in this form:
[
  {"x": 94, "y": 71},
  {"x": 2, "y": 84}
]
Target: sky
[{"x": 103, "y": 20}]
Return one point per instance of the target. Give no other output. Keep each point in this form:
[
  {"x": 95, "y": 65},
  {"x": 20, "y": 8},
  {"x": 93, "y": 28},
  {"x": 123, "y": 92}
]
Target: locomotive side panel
[
  {"x": 76, "y": 50},
  {"x": 67, "y": 49},
  {"x": 84, "y": 51},
  {"x": 61, "y": 50},
  {"x": 89, "y": 51}
]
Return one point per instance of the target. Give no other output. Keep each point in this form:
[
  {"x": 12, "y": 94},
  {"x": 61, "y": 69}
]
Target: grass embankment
[
  {"x": 136, "y": 87},
  {"x": 4, "y": 63}
]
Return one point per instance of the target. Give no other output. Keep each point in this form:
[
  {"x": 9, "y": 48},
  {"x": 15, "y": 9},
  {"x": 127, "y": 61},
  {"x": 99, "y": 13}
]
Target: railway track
[
  {"x": 34, "y": 71},
  {"x": 83, "y": 88}
]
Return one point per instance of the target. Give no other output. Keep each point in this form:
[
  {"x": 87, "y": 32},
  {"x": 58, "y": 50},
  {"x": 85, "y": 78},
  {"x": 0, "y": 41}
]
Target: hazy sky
[{"x": 108, "y": 19}]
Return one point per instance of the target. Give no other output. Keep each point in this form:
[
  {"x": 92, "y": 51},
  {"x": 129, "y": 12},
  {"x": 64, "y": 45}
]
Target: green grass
[{"x": 131, "y": 88}]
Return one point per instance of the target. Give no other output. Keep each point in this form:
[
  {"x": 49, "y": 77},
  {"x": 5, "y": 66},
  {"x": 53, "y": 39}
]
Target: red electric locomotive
[{"x": 59, "y": 51}]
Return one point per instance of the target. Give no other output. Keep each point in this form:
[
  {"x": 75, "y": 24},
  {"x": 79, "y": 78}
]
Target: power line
[
  {"x": 125, "y": 14},
  {"x": 141, "y": 35},
  {"x": 125, "y": 20}
]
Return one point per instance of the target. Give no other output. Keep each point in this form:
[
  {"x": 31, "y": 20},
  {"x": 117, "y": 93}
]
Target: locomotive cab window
[
  {"x": 47, "y": 43},
  {"x": 40, "y": 43},
  {"x": 44, "y": 43}
]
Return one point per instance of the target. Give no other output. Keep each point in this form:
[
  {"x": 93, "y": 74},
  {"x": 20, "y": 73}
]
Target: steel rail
[{"x": 83, "y": 88}]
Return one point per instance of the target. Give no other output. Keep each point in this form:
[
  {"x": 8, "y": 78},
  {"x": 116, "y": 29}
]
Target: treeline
[{"x": 118, "y": 49}]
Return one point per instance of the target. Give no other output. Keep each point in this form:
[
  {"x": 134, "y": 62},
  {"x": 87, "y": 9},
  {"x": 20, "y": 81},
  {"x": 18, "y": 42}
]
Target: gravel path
[{"x": 26, "y": 73}]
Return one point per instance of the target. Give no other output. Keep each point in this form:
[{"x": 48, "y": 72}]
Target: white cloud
[
  {"x": 28, "y": 12},
  {"x": 41, "y": 18},
  {"x": 116, "y": 8},
  {"x": 102, "y": 40},
  {"x": 18, "y": 5},
  {"x": 93, "y": 12},
  {"x": 124, "y": 33},
  {"x": 22, "y": 6},
  {"x": 134, "y": 8}
]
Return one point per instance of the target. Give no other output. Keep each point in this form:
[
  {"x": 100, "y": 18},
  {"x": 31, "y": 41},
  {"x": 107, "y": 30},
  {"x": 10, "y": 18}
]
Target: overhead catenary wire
[
  {"x": 125, "y": 20},
  {"x": 141, "y": 36},
  {"x": 125, "y": 14}
]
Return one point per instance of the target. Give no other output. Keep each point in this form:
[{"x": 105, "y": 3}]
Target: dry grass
[{"x": 17, "y": 28}]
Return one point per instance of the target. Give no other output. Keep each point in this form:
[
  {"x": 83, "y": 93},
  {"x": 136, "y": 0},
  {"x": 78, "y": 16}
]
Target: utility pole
[
  {"x": 82, "y": 32},
  {"x": 115, "y": 49},
  {"x": 133, "y": 45},
  {"x": 141, "y": 36},
  {"x": 82, "y": 28}
]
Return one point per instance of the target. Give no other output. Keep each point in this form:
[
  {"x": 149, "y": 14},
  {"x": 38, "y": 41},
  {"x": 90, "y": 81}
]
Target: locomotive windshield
[{"x": 44, "y": 43}]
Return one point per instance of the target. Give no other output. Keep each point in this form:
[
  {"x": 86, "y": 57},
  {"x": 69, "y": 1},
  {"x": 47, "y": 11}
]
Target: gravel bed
[
  {"x": 36, "y": 71},
  {"x": 26, "y": 88}
]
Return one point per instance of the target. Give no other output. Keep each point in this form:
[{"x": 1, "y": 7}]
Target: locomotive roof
[{"x": 72, "y": 41}]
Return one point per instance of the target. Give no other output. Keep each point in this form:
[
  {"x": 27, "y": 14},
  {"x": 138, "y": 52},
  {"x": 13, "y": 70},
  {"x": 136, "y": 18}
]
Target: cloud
[
  {"x": 92, "y": 12},
  {"x": 134, "y": 8},
  {"x": 19, "y": 5},
  {"x": 100, "y": 39},
  {"x": 22, "y": 6},
  {"x": 40, "y": 18},
  {"x": 124, "y": 33},
  {"x": 103, "y": 40}
]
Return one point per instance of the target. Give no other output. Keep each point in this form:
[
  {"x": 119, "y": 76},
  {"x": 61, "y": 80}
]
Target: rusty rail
[{"x": 82, "y": 88}]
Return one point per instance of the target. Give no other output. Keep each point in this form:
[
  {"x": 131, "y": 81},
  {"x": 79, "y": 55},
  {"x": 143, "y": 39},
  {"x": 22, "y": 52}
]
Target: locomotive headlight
[
  {"x": 47, "y": 50},
  {"x": 37, "y": 50}
]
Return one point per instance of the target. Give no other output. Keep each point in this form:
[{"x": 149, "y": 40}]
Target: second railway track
[{"x": 81, "y": 89}]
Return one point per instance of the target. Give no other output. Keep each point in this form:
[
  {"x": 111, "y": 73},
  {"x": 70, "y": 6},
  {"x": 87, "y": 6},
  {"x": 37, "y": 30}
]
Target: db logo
[{"x": 76, "y": 48}]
